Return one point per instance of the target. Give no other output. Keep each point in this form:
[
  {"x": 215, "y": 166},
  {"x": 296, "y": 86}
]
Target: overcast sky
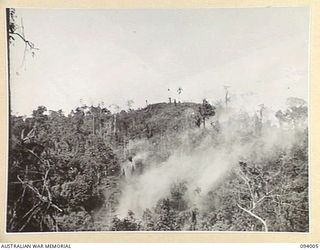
[{"x": 113, "y": 56}]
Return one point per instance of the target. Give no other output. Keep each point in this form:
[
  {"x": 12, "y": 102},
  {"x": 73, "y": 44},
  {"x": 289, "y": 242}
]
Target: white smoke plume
[{"x": 202, "y": 165}]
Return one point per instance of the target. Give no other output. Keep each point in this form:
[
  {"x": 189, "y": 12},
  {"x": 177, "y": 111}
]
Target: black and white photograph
[{"x": 190, "y": 119}]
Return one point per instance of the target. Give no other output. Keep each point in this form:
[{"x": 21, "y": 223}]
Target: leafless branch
[
  {"x": 19, "y": 182},
  {"x": 255, "y": 216},
  {"x": 29, "y": 218},
  {"x": 264, "y": 197},
  {"x": 41, "y": 197},
  {"x": 245, "y": 179},
  {"x": 27, "y": 42},
  {"x": 31, "y": 210},
  {"x": 34, "y": 154}
]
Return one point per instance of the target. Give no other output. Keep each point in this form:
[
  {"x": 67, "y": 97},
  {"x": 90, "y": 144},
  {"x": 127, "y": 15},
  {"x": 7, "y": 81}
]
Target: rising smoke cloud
[{"x": 200, "y": 166}]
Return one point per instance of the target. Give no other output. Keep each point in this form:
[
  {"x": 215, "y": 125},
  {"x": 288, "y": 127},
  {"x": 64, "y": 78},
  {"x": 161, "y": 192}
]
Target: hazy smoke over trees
[
  {"x": 162, "y": 163},
  {"x": 205, "y": 159}
]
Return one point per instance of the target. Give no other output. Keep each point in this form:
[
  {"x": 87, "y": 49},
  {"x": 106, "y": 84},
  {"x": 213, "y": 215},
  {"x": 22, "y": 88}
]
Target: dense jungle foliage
[
  {"x": 70, "y": 172},
  {"x": 168, "y": 166}
]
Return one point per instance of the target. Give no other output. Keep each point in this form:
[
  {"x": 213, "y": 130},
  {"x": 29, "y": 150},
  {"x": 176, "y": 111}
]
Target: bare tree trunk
[
  {"x": 93, "y": 126},
  {"x": 114, "y": 124}
]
